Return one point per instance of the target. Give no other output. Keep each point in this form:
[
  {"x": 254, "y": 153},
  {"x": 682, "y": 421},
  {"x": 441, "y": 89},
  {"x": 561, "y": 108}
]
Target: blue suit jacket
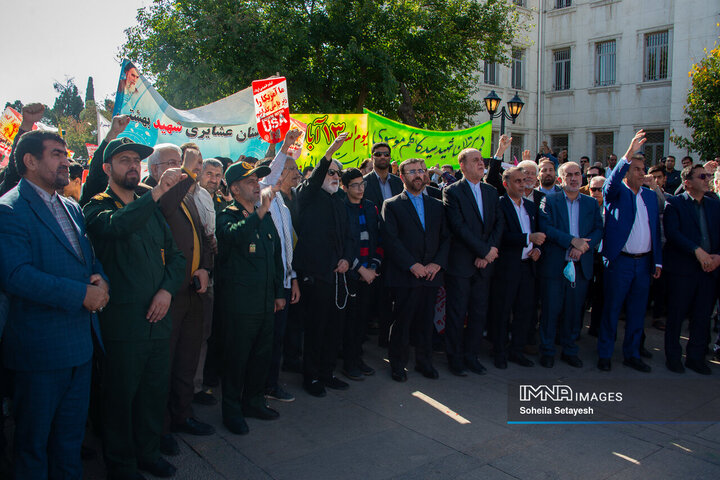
[
  {"x": 620, "y": 211},
  {"x": 555, "y": 223},
  {"x": 47, "y": 327},
  {"x": 682, "y": 231}
]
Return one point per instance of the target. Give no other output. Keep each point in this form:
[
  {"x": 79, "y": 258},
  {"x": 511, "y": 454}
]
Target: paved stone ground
[{"x": 378, "y": 430}]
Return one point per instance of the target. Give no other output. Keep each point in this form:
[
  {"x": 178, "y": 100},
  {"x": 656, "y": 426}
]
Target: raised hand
[
  {"x": 636, "y": 144},
  {"x": 503, "y": 144},
  {"x": 170, "y": 178},
  {"x": 31, "y": 113},
  {"x": 118, "y": 125},
  {"x": 335, "y": 146}
]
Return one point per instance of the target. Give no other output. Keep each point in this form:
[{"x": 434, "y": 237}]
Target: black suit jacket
[
  {"x": 407, "y": 243},
  {"x": 372, "y": 189},
  {"x": 473, "y": 235},
  {"x": 682, "y": 231},
  {"x": 434, "y": 192},
  {"x": 513, "y": 239}
]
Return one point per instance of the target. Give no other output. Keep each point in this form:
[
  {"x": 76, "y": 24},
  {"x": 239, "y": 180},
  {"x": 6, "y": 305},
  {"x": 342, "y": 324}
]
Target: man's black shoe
[
  {"x": 475, "y": 366},
  {"x": 160, "y": 468},
  {"x": 572, "y": 360},
  {"x": 315, "y": 388},
  {"x": 500, "y": 363},
  {"x": 263, "y": 413},
  {"x": 547, "y": 361},
  {"x": 645, "y": 353},
  {"x": 675, "y": 366},
  {"x": 336, "y": 384},
  {"x": 637, "y": 364},
  {"x": 236, "y": 425},
  {"x": 604, "y": 364},
  {"x": 521, "y": 360},
  {"x": 192, "y": 426},
  {"x": 169, "y": 446},
  {"x": 353, "y": 373},
  {"x": 458, "y": 370},
  {"x": 428, "y": 371},
  {"x": 366, "y": 369},
  {"x": 399, "y": 375},
  {"x": 204, "y": 398},
  {"x": 700, "y": 367}
]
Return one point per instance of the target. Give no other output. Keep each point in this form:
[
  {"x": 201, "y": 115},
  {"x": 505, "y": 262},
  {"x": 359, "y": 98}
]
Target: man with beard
[
  {"x": 55, "y": 286},
  {"x": 145, "y": 268},
  {"x": 417, "y": 242},
  {"x": 324, "y": 252},
  {"x": 573, "y": 227},
  {"x": 250, "y": 290},
  {"x": 547, "y": 177}
]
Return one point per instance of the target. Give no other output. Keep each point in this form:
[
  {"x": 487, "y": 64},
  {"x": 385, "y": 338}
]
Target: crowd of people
[{"x": 125, "y": 299}]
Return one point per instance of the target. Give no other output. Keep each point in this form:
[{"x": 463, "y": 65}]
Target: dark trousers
[
  {"x": 280, "y": 321},
  {"x": 628, "y": 279},
  {"x": 247, "y": 350},
  {"x": 465, "y": 296},
  {"x": 513, "y": 295},
  {"x": 323, "y": 327},
  {"x": 187, "y": 333},
  {"x": 658, "y": 293},
  {"x": 213, "y": 354},
  {"x": 385, "y": 304},
  {"x": 413, "y": 322},
  {"x": 134, "y": 396},
  {"x": 50, "y": 412},
  {"x": 356, "y": 321},
  {"x": 596, "y": 292},
  {"x": 693, "y": 296},
  {"x": 208, "y": 299},
  {"x": 293, "y": 341},
  {"x": 562, "y": 312}
]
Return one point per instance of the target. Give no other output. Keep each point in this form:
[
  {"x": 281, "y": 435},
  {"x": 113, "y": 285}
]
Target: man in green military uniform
[
  {"x": 249, "y": 290},
  {"x": 145, "y": 268}
]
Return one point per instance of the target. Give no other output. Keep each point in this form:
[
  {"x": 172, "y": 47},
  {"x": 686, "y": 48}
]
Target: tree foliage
[
  {"x": 90, "y": 91},
  {"x": 17, "y": 105},
  {"x": 702, "y": 111},
  {"x": 68, "y": 103},
  {"x": 416, "y": 61}
]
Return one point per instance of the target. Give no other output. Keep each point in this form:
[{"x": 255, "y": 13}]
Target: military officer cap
[
  {"x": 124, "y": 144},
  {"x": 238, "y": 171}
]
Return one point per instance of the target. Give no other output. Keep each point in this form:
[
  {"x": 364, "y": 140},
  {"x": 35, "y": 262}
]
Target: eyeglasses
[
  {"x": 596, "y": 189},
  {"x": 358, "y": 186},
  {"x": 332, "y": 172},
  {"x": 381, "y": 154},
  {"x": 172, "y": 163},
  {"x": 419, "y": 171}
]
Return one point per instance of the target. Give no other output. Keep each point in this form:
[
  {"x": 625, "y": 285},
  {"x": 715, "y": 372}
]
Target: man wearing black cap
[
  {"x": 145, "y": 268},
  {"x": 249, "y": 291}
]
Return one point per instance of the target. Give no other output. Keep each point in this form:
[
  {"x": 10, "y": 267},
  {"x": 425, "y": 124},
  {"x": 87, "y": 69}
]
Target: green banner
[
  {"x": 322, "y": 129},
  {"x": 435, "y": 147}
]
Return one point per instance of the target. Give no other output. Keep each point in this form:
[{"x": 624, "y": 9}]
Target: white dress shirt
[
  {"x": 524, "y": 220},
  {"x": 639, "y": 241}
]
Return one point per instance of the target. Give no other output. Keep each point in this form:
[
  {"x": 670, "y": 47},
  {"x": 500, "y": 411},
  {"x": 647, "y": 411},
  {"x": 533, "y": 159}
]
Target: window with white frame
[
  {"x": 561, "y": 62},
  {"x": 656, "y": 56},
  {"x": 605, "y": 63},
  {"x": 517, "y": 72},
  {"x": 490, "y": 73}
]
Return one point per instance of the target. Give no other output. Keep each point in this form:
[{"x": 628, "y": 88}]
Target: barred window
[
  {"x": 518, "y": 69},
  {"x": 654, "y": 146},
  {"x": 605, "y": 63},
  {"x": 603, "y": 146},
  {"x": 562, "y": 3},
  {"x": 561, "y": 60},
  {"x": 491, "y": 73},
  {"x": 656, "y": 56}
]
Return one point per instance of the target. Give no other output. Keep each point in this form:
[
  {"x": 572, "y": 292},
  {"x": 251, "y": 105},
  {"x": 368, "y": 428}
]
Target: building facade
[{"x": 593, "y": 72}]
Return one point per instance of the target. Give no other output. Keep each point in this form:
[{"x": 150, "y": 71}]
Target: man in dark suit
[
  {"x": 416, "y": 244},
  {"x": 475, "y": 221},
  {"x": 381, "y": 185},
  {"x": 692, "y": 229},
  {"x": 573, "y": 225},
  {"x": 632, "y": 252},
  {"x": 56, "y": 286},
  {"x": 513, "y": 287}
]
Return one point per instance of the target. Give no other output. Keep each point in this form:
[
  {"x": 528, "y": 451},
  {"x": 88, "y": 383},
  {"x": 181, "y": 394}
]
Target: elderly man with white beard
[{"x": 324, "y": 252}]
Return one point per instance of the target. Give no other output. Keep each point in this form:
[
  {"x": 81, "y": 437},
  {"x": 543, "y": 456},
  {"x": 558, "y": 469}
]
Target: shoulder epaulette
[
  {"x": 101, "y": 196},
  {"x": 234, "y": 208}
]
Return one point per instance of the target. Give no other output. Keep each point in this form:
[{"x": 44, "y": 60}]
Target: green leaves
[{"x": 416, "y": 61}]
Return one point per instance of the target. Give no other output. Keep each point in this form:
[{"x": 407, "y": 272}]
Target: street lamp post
[{"x": 515, "y": 106}]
